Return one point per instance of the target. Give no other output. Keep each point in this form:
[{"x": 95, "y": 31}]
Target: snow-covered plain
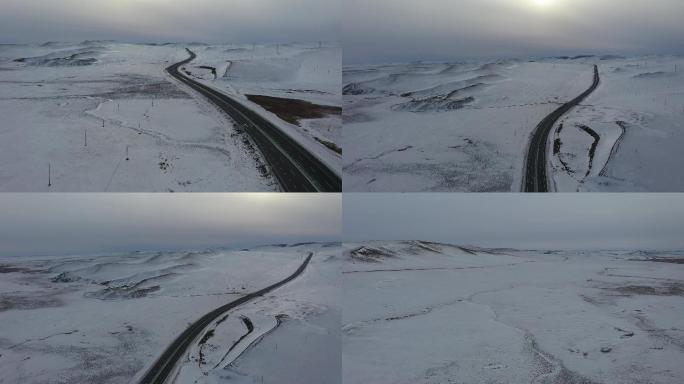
[
  {"x": 466, "y": 126},
  {"x": 55, "y": 97},
  {"x": 421, "y": 312},
  {"x": 104, "y": 319}
]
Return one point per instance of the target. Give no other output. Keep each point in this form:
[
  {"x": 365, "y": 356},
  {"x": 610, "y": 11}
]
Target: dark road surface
[
  {"x": 159, "y": 372},
  {"x": 535, "y": 178},
  {"x": 295, "y": 168}
]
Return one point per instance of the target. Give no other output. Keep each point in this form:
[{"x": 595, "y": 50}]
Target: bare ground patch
[
  {"x": 10, "y": 269},
  {"x": 668, "y": 289},
  {"x": 28, "y": 301},
  {"x": 294, "y": 110},
  {"x": 672, "y": 260}
]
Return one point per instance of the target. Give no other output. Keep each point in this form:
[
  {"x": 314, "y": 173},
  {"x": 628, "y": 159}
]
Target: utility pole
[
  {"x": 49, "y": 175},
  {"x": 127, "y": 153},
  {"x": 85, "y": 137}
]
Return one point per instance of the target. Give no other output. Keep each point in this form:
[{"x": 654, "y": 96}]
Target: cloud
[
  {"x": 55, "y": 224},
  {"x": 213, "y": 21},
  {"x": 577, "y": 221},
  {"x": 403, "y": 30}
]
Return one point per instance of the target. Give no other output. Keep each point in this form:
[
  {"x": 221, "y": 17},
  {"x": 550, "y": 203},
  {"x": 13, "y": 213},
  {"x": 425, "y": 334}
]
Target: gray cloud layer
[
  {"x": 573, "y": 221},
  {"x": 213, "y": 21},
  {"x": 405, "y": 30},
  {"x": 56, "y": 224}
]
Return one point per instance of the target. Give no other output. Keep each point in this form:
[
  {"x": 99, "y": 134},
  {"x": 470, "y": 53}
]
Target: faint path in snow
[
  {"x": 616, "y": 146},
  {"x": 382, "y": 154},
  {"x": 111, "y": 178},
  {"x": 549, "y": 369},
  {"x": 42, "y": 338},
  {"x": 160, "y": 137},
  {"x": 347, "y": 328}
]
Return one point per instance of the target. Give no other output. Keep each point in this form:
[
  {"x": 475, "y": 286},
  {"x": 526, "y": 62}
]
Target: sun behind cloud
[{"x": 542, "y": 3}]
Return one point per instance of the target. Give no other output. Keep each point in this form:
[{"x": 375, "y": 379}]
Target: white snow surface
[
  {"x": 638, "y": 114},
  {"x": 296, "y": 336},
  {"x": 421, "y": 312},
  {"x": 309, "y": 72},
  {"x": 55, "y": 97},
  {"x": 466, "y": 126},
  {"x": 105, "y": 319}
]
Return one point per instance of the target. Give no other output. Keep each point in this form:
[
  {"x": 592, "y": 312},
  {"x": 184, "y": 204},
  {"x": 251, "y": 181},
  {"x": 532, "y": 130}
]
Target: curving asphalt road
[
  {"x": 159, "y": 372},
  {"x": 535, "y": 178},
  {"x": 295, "y": 168}
]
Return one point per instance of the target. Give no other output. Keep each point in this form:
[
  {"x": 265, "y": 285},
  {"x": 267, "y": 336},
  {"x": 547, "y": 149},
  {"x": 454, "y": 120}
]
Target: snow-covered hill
[
  {"x": 104, "y": 116},
  {"x": 423, "y": 312},
  {"x": 466, "y": 126},
  {"x": 106, "y": 318}
]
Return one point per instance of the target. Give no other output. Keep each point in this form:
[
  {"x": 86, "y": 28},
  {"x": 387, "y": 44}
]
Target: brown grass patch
[{"x": 294, "y": 110}]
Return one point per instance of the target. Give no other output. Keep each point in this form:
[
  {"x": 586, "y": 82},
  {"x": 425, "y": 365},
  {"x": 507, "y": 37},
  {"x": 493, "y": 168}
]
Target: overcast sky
[
  {"x": 212, "y": 21},
  {"x": 409, "y": 30},
  {"x": 558, "y": 221},
  {"x": 57, "y": 224}
]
